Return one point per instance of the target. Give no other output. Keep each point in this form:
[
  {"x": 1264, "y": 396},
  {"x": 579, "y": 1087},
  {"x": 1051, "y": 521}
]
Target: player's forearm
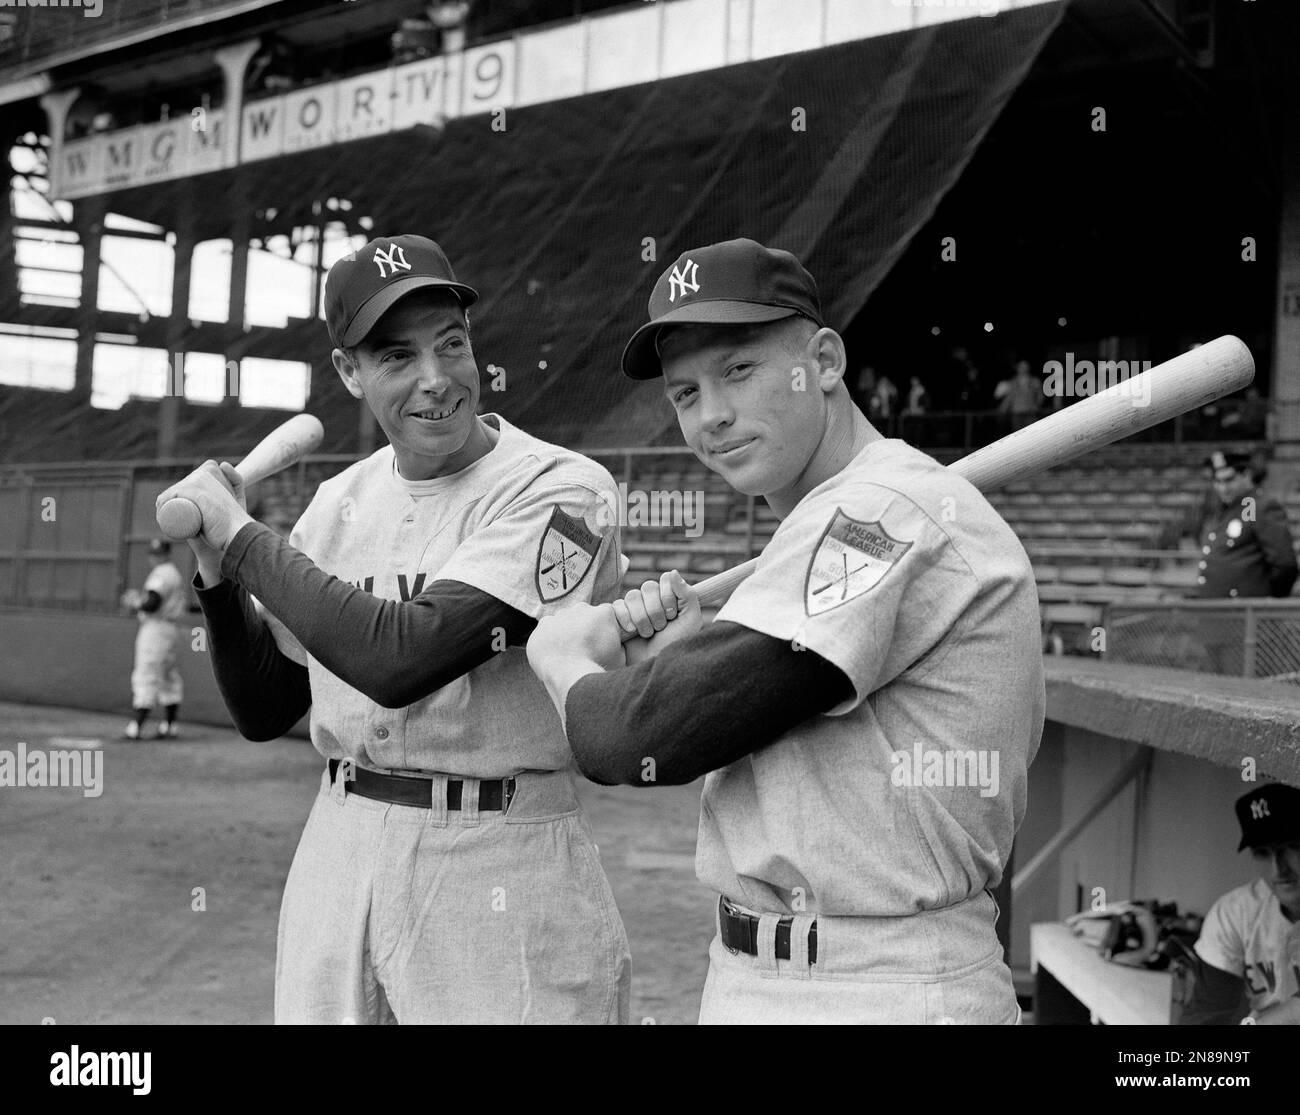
[
  {"x": 394, "y": 652},
  {"x": 265, "y": 692},
  {"x": 700, "y": 705}
]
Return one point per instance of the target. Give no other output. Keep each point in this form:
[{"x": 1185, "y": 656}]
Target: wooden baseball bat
[
  {"x": 180, "y": 518},
  {"x": 1184, "y": 383}
]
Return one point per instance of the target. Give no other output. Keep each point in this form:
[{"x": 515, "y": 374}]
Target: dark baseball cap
[
  {"x": 1219, "y": 461},
  {"x": 1269, "y": 815},
  {"x": 363, "y": 285},
  {"x": 736, "y": 282}
]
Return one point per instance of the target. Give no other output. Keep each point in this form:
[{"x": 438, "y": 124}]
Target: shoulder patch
[
  {"x": 565, "y": 554},
  {"x": 851, "y": 558}
]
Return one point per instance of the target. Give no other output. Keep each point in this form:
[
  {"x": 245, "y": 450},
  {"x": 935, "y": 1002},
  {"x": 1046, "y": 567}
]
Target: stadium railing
[{"x": 1253, "y": 638}]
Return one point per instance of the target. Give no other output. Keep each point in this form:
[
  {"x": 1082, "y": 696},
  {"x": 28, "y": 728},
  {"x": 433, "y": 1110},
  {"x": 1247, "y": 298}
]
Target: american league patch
[
  {"x": 566, "y": 553},
  {"x": 852, "y": 558}
]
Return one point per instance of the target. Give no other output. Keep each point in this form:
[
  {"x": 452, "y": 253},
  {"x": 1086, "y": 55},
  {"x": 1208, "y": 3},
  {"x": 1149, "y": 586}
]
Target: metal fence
[{"x": 1256, "y": 638}]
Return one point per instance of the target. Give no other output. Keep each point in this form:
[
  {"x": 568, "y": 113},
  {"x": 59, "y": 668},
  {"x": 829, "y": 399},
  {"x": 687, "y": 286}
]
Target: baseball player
[
  {"x": 868, "y": 701},
  {"x": 1250, "y": 942},
  {"x": 155, "y": 679},
  {"x": 446, "y": 873}
]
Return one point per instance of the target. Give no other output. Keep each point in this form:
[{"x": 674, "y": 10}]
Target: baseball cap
[
  {"x": 363, "y": 285},
  {"x": 736, "y": 282},
  {"x": 1269, "y": 815},
  {"x": 1218, "y": 461},
  {"x": 159, "y": 546}
]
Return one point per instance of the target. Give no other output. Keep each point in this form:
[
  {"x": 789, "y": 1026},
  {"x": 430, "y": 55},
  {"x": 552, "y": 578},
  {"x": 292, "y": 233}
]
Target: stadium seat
[{"x": 1081, "y": 575}]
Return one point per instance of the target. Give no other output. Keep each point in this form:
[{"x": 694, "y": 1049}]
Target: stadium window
[
  {"x": 280, "y": 384},
  {"x": 35, "y": 356},
  {"x": 279, "y": 284},
  {"x": 210, "y": 281},
  {"x": 135, "y": 275},
  {"x": 206, "y": 382},
  {"x": 122, "y": 372}
]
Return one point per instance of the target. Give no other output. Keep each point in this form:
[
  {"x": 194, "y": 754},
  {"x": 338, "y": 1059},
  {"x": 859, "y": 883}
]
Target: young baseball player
[
  {"x": 868, "y": 702},
  {"x": 155, "y": 678},
  {"x": 1250, "y": 942},
  {"x": 446, "y": 873}
]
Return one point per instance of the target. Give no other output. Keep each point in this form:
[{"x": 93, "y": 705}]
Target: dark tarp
[{"x": 548, "y": 218}]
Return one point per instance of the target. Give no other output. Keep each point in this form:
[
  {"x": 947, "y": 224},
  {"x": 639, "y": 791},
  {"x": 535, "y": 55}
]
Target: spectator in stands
[
  {"x": 1022, "y": 398},
  {"x": 1246, "y": 545},
  {"x": 918, "y": 398},
  {"x": 864, "y": 387},
  {"x": 969, "y": 392},
  {"x": 155, "y": 678},
  {"x": 885, "y": 400},
  {"x": 1249, "y": 947}
]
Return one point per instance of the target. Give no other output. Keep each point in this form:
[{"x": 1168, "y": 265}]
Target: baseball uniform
[
  {"x": 454, "y": 912},
  {"x": 861, "y": 842},
  {"x": 155, "y": 678},
  {"x": 1247, "y": 934}
]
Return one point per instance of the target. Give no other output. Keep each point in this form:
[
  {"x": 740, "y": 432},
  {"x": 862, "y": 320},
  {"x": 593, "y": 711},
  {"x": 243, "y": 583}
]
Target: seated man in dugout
[{"x": 1249, "y": 946}]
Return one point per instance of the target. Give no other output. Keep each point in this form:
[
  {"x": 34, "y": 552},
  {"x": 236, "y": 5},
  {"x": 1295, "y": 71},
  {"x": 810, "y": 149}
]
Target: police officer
[
  {"x": 1246, "y": 547},
  {"x": 868, "y": 702}
]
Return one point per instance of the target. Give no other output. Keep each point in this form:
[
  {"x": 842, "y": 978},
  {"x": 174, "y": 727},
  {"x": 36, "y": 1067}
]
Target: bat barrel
[{"x": 1184, "y": 383}]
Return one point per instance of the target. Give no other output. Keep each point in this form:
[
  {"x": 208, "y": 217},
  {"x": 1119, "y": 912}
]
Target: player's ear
[
  {"x": 345, "y": 363},
  {"x": 828, "y": 355}
]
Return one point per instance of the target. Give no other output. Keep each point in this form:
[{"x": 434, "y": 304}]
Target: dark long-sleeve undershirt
[
  {"x": 395, "y": 652},
  {"x": 699, "y": 705},
  {"x": 265, "y": 692}
]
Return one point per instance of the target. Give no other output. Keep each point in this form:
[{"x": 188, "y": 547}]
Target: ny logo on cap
[
  {"x": 395, "y": 258},
  {"x": 1259, "y": 809},
  {"x": 685, "y": 279}
]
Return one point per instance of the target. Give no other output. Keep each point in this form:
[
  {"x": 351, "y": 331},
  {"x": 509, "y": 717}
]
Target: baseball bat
[
  {"x": 180, "y": 518},
  {"x": 1184, "y": 383}
]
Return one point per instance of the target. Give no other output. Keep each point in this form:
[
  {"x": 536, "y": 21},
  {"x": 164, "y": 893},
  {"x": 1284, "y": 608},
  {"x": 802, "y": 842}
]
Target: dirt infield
[{"x": 98, "y": 921}]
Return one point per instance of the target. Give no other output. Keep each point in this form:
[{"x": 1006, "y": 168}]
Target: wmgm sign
[{"x": 150, "y": 153}]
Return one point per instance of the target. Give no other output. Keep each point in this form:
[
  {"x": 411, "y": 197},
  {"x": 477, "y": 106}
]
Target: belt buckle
[
  {"x": 726, "y": 910},
  {"x": 507, "y": 794}
]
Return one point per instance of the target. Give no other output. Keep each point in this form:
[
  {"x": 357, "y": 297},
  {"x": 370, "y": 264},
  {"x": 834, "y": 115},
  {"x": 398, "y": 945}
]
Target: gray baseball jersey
[
  {"x": 906, "y": 796},
  {"x": 533, "y": 524}
]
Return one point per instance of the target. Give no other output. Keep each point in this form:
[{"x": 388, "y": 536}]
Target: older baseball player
[
  {"x": 155, "y": 678},
  {"x": 1250, "y": 942},
  {"x": 868, "y": 701},
  {"x": 446, "y": 873}
]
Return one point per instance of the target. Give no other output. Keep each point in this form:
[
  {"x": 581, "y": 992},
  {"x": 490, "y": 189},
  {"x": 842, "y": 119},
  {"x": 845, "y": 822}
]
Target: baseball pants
[
  {"x": 934, "y": 967},
  {"x": 155, "y": 678},
  {"x": 397, "y": 913}
]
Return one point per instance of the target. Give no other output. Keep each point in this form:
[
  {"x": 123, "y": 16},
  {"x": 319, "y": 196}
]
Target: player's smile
[
  {"x": 435, "y": 416},
  {"x": 731, "y": 449}
]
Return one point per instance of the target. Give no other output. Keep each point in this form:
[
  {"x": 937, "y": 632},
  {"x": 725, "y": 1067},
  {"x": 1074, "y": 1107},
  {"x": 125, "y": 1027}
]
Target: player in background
[
  {"x": 1250, "y": 942},
  {"x": 868, "y": 701},
  {"x": 155, "y": 678},
  {"x": 446, "y": 873}
]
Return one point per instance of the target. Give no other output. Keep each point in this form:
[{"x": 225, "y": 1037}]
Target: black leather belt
[
  {"x": 398, "y": 789},
  {"x": 740, "y": 933}
]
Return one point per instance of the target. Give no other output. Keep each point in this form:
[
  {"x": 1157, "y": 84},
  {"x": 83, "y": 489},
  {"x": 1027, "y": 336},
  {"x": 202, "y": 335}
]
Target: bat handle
[{"x": 719, "y": 586}]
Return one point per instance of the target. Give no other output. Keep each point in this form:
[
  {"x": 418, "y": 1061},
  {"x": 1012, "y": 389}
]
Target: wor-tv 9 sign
[{"x": 430, "y": 91}]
